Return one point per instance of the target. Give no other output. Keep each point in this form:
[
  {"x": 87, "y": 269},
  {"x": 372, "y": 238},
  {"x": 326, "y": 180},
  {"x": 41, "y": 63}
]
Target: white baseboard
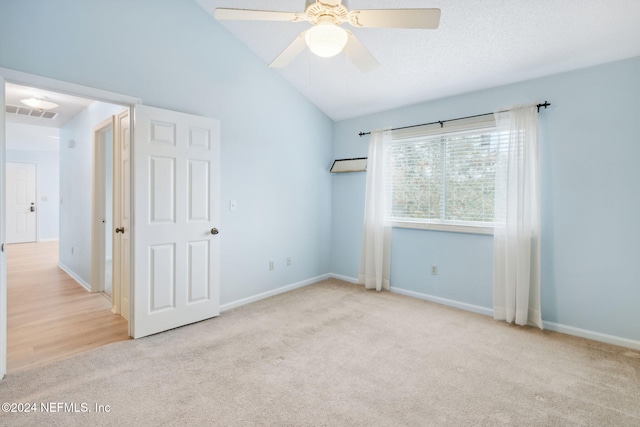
[
  {"x": 426, "y": 297},
  {"x": 595, "y": 336},
  {"x": 551, "y": 326},
  {"x": 444, "y": 301},
  {"x": 75, "y": 277},
  {"x": 569, "y": 330},
  {"x": 263, "y": 295},
  {"x": 54, "y": 239},
  {"x": 343, "y": 278}
]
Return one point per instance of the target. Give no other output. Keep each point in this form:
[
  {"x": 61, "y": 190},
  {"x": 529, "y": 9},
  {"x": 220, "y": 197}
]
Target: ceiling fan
[{"x": 326, "y": 38}]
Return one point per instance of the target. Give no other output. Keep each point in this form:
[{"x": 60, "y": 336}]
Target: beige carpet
[{"x": 333, "y": 354}]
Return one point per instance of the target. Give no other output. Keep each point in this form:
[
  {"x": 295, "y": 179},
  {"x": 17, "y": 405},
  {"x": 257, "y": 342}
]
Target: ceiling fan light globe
[{"x": 326, "y": 40}]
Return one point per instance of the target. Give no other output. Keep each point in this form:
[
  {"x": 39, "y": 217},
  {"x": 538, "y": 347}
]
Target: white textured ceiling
[{"x": 480, "y": 44}]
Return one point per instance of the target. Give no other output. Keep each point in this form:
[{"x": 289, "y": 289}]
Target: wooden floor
[{"x": 50, "y": 316}]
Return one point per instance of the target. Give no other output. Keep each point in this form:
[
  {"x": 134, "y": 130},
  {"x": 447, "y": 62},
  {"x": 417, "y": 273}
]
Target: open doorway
[
  {"x": 177, "y": 230},
  {"x": 53, "y": 309}
]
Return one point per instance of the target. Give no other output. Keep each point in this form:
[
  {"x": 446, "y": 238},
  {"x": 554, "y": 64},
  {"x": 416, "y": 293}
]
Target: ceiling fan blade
[
  {"x": 360, "y": 55},
  {"x": 290, "y": 52},
  {"x": 428, "y": 19},
  {"x": 257, "y": 15}
]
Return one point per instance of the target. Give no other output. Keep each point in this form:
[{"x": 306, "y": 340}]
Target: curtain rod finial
[{"x": 545, "y": 105}]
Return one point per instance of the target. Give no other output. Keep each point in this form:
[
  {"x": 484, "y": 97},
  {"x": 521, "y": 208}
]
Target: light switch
[{"x": 232, "y": 205}]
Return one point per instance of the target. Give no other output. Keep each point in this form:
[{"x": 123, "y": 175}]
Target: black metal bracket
[{"x": 545, "y": 105}]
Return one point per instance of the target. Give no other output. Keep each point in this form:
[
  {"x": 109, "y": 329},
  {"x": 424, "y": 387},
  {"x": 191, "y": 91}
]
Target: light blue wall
[
  {"x": 590, "y": 153},
  {"x": 276, "y": 145},
  {"x": 171, "y": 54},
  {"x": 76, "y": 177},
  {"x": 47, "y": 171}
]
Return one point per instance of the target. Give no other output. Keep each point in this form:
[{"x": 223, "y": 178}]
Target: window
[{"x": 443, "y": 177}]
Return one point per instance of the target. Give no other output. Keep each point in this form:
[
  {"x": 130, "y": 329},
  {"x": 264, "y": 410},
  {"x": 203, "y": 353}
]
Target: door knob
[
  {"x": 214, "y": 231},
  {"x": 32, "y": 208},
  {"x": 120, "y": 230}
]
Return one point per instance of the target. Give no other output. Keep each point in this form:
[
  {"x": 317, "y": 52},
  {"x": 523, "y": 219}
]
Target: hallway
[{"x": 50, "y": 315}]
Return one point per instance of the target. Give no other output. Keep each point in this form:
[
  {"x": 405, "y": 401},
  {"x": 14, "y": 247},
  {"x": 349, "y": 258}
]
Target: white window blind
[{"x": 443, "y": 177}]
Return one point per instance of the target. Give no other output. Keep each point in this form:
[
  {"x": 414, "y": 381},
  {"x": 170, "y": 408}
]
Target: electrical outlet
[
  {"x": 272, "y": 265},
  {"x": 434, "y": 270},
  {"x": 288, "y": 261}
]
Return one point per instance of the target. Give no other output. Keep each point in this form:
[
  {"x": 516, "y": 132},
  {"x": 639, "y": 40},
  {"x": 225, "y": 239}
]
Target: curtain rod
[{"x": 442, "y": 122}]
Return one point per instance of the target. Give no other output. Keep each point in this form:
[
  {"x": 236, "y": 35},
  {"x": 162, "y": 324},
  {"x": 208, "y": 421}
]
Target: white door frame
[
  {"x": 45, "y": 83},
  {"x": 98, "y": 191},
  {"x": 122, "y": 186}
]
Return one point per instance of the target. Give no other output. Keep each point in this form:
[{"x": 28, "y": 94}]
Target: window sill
[{"x": 453, "y": 228}]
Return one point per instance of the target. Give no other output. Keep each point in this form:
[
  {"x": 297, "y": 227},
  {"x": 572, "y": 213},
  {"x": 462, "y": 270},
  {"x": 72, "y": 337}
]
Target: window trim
[{"x": 453, "y": 227}]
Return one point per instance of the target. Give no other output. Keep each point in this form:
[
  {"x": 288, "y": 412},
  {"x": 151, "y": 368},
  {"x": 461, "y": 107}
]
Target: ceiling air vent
[
  {"x": 26, "y": 111},
  {"x": 49, "y": 115}
]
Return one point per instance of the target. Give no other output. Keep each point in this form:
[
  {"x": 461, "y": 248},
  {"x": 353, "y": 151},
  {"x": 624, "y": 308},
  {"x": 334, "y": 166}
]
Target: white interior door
[
  {"x": 3, "y": 257},
  {"x": 122, "y": 215},
  {"x": 176, "y": 205},
  {"x": 21, "y": 202}
]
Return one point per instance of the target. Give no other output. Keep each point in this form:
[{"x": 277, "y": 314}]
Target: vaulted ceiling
[{"x": 479, "y": 44}]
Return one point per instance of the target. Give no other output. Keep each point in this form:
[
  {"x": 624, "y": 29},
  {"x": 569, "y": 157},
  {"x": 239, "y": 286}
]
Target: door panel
[
  {"x": 198, "y": 271},
  {"x": 176, "y": 205},
  {"x": 199, "y": 194},
  {"x": 21, "y": 202},
  {"x": 163, "y": 190},
  {"x": 163, "y": 277}
]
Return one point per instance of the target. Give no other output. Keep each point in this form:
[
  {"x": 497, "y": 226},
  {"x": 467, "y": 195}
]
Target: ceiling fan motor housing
[
  {"x": 326, "y": 2},
  {"x": 318, "y": 11}
]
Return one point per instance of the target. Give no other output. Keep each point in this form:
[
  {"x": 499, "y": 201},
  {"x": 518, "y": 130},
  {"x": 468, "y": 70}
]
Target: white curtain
[
  {"x": 376, "y": 239},
  {"x": 516, "y": 251}
]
